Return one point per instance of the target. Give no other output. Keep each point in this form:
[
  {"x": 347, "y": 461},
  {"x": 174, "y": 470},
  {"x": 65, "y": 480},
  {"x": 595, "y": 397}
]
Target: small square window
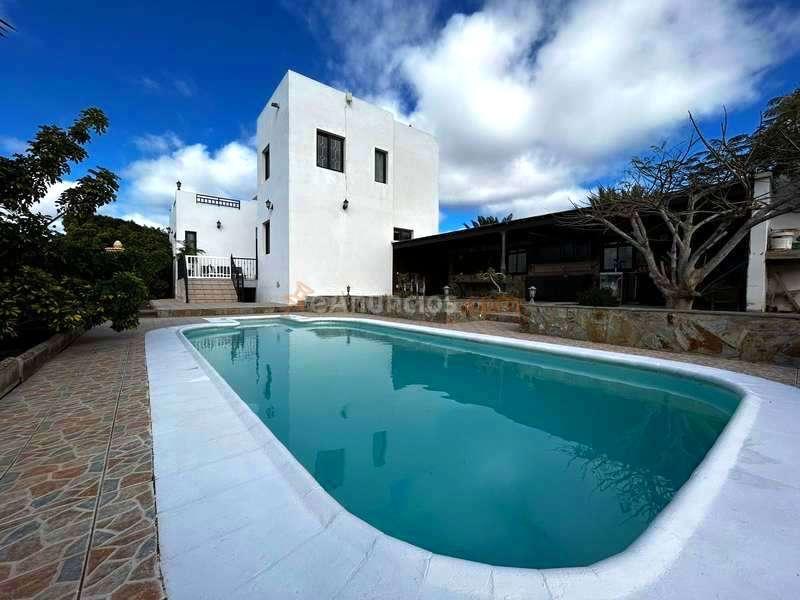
[
  {"x": 266, "y": 162},
  {"x": 381, "y": 165},
  {"x": 402, "y": 234},
  {"x": 330, "y": 151}
]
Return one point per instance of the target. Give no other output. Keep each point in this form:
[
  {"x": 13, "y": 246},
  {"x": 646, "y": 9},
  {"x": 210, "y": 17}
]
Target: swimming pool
[{"x": 494, "y": 454}]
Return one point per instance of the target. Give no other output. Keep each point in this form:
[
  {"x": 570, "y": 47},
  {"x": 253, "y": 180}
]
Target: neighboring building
[
  {"x": 338, "y": 180},
  {"x": 559, "y": 260},
  {"x": 773, "y": 275}
]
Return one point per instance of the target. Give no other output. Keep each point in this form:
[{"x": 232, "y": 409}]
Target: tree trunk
[{"x": 679, "y": 302}]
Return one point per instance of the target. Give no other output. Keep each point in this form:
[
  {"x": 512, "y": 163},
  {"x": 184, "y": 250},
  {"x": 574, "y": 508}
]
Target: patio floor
[{"x": 77, "y": 516}]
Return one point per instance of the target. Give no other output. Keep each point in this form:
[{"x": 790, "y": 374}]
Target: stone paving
[{"x": 77, "y": 507}]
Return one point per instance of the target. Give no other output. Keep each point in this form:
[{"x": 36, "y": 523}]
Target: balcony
[{"x": 201, "y": 266}]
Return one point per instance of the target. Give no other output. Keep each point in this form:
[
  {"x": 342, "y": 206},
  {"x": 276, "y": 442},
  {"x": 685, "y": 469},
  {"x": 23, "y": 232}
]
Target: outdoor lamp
[
  {"x": 219, "y": 225},
  {"x": 268, "y": 204},
  {"x": 345, "y": 204}
]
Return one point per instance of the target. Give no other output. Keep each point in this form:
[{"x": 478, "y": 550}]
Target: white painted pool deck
[{"x": 238, "y": 517}]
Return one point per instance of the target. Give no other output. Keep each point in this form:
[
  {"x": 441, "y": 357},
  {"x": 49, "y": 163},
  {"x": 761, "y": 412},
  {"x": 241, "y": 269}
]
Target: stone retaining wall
[
  {"x": 425, "y": 308},
  {"x": 755, "y": 337},
  {"x": 15, "y": 370}
]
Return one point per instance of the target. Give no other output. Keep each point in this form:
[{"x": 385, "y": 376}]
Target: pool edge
[{"x": 622, "y": 575}]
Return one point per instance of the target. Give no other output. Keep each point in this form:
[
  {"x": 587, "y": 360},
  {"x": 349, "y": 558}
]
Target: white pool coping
[{"x": 239, "y": 517}]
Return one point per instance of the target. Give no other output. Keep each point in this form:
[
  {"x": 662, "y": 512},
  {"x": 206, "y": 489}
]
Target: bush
[
  {"x": 52, "y": 282},
  {"x": 597, "y": 297},
  {"x": 120, "y": 299}
]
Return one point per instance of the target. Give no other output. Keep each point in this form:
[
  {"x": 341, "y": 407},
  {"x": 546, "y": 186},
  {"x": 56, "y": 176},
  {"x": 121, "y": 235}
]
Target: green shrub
[
  {"x": 120, "y": 299},
  {"x": 597, "y": 297}
]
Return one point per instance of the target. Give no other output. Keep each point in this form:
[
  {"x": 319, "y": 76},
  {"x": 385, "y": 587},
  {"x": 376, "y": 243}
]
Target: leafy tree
[
  {"x": 686, "y": 208},
  {"x": 482, "y": 221},
  {"x": 147, "y": 254},
  {"x": 44, "y": 288}
]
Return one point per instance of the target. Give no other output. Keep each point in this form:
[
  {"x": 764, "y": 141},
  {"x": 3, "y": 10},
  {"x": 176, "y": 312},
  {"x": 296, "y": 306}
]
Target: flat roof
[{"x": 460, "y": 234}]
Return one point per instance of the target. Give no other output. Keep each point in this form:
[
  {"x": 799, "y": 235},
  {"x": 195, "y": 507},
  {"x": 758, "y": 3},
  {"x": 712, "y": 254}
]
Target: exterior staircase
[{"x": 205, "y": 291}]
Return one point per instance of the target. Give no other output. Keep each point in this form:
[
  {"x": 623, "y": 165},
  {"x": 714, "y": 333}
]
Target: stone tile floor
[
  {"x": 77, "y": 512},
  {"x": 77, "y": 507}
]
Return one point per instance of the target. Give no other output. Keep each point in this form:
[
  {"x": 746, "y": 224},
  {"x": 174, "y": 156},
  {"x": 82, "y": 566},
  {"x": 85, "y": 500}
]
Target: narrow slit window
[
  {"x": 190, "y": 243},
  {"x": 266, "y": 162},
  {"x": 266, "y": 237},
  {"x": 381, "y": 165}
]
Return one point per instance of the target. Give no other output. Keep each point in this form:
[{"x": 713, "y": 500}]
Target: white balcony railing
[{"x": 204, "y": 267}]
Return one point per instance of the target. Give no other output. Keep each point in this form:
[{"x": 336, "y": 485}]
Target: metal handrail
[
  {"x": 237, "y": 278},
  {"x": 249, "y": 266}
]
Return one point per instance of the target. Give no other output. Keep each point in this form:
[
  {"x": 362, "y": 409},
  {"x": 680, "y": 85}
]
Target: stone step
[{"x": 211, "y": 290}]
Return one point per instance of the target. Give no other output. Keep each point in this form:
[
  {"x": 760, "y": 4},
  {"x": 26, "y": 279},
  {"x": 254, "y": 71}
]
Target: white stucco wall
[
  {"x": 236, "y": 236},
  {"x": 330, "y": 248},
  {"x": 272, "y": 128}
]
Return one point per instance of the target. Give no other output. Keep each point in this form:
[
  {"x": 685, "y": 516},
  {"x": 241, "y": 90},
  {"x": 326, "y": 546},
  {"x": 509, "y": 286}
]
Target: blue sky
[{"x": 532, "y": 103}]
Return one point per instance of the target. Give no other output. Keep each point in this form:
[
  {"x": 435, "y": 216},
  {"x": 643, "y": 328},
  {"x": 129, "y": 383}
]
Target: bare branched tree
[{"x": 686, "y": 208}]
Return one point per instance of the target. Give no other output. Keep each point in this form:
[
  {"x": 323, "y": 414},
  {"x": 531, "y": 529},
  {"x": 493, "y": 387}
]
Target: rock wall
[
  {"x": 427, "y": 308},
  {"x": 755, "y": 337}
]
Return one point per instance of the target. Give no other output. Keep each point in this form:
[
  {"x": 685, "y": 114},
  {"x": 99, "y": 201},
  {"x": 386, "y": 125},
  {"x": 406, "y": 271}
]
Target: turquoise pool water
[{"x": 479, "y": 451}]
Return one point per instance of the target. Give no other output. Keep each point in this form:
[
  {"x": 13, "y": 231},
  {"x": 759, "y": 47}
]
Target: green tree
[
  {"x": 147, "y": 254},
  {"x": 43, "y": 291},
  {"x": 482, "y": 221}
]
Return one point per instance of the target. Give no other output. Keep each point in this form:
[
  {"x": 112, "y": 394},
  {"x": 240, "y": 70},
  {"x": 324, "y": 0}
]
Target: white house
[{"x": 338, "y": 181}]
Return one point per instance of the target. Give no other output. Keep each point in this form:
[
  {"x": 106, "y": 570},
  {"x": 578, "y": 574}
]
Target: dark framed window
[
  {"x": 265, "y": 152},
  {"x": 618, "y": 258},
  {"x": 402, "y": 234},
  {"x": 517, "y": 261},
  {"x": 330, "y": 151},
  {"x": 266, "y": 237},
  {"x": 381, "y": 165},
  {"x": 190, "y": 242}
]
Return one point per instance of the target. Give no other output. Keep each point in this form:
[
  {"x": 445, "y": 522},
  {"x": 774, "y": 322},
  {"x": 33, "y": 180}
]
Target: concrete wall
[
  {"x": 321, "y": 248},
  {"x": 765, "y": 337}
]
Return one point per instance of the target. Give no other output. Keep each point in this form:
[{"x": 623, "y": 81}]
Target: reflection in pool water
[{"x": 478, "y": 451}]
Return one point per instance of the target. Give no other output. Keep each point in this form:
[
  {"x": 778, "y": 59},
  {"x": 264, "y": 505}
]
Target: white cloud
[
  {"x": 158, "y": 144},
  {"x": 141, "y": 219},
  {"x": 149, "y": 183},
  {"x": 12, "y": 145},
  {"x": 530, "y": 102},
  {"x": 47, "y": 205}
]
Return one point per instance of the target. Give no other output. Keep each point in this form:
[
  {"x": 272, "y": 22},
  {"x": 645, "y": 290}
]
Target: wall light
[
  {"x": 275, "y": 105},
  {"x": 268, "y": 204},
  {"x": 345, "y": 204},
  {"x": 219, "y": 225}
]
